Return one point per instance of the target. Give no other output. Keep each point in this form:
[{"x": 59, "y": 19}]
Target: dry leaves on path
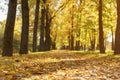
[{"x": 60, "y": 65}]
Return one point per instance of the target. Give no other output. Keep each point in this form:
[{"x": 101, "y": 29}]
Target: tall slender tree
[
  {"x": 36, "y": 25},
  {"x": 47, "y": 30},
  {"x": 42, "y": 29},
  {"x": 25, "y": 27},
  {"x": 101, "y": 33},
  {"x": 72, "y": 29},
  {"x": 117, "y": 33},
  {"x": 9, "y": 29}
]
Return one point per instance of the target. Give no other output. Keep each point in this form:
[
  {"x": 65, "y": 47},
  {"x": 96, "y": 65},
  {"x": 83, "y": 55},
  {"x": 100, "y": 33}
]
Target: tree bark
[
  {"x": 36, "y": 26},
  {"x": 113, "y": 41},
  {"x": 117, "y": 33},
  {"x": 72, "y": 27},
  {"x": 9, "y": 29},
  {"x": 25, "y": 27},
  {"x": 92, "y": 40},
  {"x": 54, "y": 42},
  {"x": 101, "y": 33},
  {"x": 47, "y": 32},
  {"x": 42, "y": 29}
]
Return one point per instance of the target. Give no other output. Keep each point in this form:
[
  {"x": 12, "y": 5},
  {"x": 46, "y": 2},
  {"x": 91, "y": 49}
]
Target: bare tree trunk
[
  {"x": 101, "y": 33},
  {"x": 113, "y": 41},
  {"x": 69, "y": 40},
  {"x": 36, "y": 26},
  {"x": 25, "y": 27},
  {"x": 9, "y": 29},
  {"x": 92, "y": 40},
  {"x": 54, "y": 42},
  {"x": 47, "y": 30},
  {"x": 72, "y": 29},
  {"x": 42, "y": 30},
  {"x": 117, "y": 33}
]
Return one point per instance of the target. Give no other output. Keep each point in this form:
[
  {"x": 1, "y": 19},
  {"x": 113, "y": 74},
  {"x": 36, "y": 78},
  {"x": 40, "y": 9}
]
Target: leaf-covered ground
[{"x": 60, "y": 65}]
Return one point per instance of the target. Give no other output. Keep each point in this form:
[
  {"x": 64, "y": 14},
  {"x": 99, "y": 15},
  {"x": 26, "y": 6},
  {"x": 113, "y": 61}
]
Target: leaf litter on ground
[{"x": 60, "y": 65}]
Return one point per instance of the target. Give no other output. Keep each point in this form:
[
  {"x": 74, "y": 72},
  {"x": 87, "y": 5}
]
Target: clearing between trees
[{"x": 60, "y": 65}]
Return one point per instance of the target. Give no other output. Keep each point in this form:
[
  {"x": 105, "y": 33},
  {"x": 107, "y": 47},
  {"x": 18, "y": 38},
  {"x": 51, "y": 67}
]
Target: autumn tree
[
  {"x": 36, "y": 25},
  {"x": 9, "y": 29},
  {"x": 48, "y": 13},
  {"x": 101, "y": 33},
  {"x": 25, "y": 27},
  {"x": 117, "y": 33}
]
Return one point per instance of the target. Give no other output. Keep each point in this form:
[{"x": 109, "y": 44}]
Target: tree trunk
[
  {"x": 117, "y": 33},
  {"x": 54, "y": 42},
  {"x": 9, "y": 29},
  {"x": 72, "y": 29},
  {"x": 54, "y": 45},
  {"x": 36, "y": 26},
  {"x": 77, "y": 46},
  {"x": 101, "y": 33},
  {"x": 25, "y": 27},
  {"x": 72, "y": 42},
  {"x": 69, "y": 40},
  {"x": 47, "y": 31},
  {"x": 113, "y": 41},
  {"x": 42, "y": 30},
  {"x": 92, "y": 40}
]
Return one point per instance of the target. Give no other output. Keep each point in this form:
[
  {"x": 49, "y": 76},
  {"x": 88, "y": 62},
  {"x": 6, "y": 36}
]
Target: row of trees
[
  {"x": 9, "y": 28},
  {"x": 46, "y": 18},
  {"x": 47, "y": 12}
]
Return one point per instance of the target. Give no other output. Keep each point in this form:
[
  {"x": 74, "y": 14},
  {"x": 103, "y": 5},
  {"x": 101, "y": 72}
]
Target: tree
[
  {"x": 101, "y": 33},
  {"x": 36, "y": 25},
  {"x": 47, "y": 30},
  {"x": 9, "y": 29},
  {"x": 42, "y": 29},
  {"x": 72, "y": 29},
  {"x": 25, "y": 27},
  {"x": 117, "y": 33}
]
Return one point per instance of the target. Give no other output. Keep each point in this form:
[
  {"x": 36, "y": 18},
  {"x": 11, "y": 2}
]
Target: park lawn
[{"x": 61, "y": 65}]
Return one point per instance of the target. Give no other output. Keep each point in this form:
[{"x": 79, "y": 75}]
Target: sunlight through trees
[{"x": 63, "y": 24}]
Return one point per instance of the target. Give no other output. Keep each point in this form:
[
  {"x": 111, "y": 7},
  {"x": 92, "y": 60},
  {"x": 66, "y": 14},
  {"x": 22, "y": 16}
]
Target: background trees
[{"x": 65, "y": 24}]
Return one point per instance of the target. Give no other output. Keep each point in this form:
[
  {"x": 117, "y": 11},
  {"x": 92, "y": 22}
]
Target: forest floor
[{"x": 60, "y": 65}]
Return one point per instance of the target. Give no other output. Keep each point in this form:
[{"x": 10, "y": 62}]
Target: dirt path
[{"x": 62, "y": 65}]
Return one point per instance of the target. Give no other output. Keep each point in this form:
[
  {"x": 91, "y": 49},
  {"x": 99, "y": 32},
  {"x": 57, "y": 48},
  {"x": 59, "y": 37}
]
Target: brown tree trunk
[
  {"x": 36, "y": 26},
  {"x": 25, "y": 27},
  {"x": 77, "y": 46},
  {"x": 72, "y": 29},
  {"x": 101, "y": 33},
  {"x": 69, "y": 40},
  {"x": 54, "y": 42},
  {"x": 9, "y": 29},
  {"x": 92, "y": 40},
  {"x": 42, "y": 30},
  {"x": 47, "y": 32},
  {"x": 113, "y": 41},
  {"x": 117, "y": 33}
]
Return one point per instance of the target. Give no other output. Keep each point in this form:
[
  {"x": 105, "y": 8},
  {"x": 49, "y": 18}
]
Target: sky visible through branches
[{"x": 3, "y": 9}]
